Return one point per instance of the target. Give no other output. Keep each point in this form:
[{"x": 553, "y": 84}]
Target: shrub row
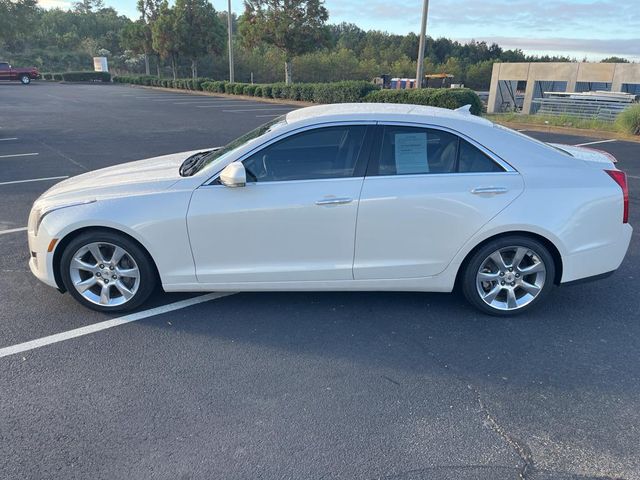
[
  {"x": 335, "y": 92},
  {"x": 150, "y": 81},
  {"x": 436, "y": 97},
  {"x": 78, "y": 76}
]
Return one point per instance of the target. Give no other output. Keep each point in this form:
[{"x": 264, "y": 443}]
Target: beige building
[{"x": 557, "y": 77}]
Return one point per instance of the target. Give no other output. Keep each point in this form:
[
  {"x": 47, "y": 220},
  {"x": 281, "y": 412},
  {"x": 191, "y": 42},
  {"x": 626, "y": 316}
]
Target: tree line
[{"x": 273, "y": 40}]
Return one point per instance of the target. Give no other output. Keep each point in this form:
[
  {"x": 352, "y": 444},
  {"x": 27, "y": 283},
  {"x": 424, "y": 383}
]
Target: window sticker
[{"x": 411, "y": 153}]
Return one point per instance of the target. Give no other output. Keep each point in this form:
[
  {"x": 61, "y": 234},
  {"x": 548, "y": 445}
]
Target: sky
[{"x": 577, "y": 28}]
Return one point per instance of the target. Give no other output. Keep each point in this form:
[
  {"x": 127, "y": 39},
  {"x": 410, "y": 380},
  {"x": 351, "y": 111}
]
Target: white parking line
[
  {"x": 633, "y": 176},
  {"x": 172, "y": 99},
  {"x": 114, "y": 322},
  {"x": 260, "y": 109},
  {"x": 594, "y": 143},
  {"x": 225, "y": 105},
  {"x": 13, "y": 230},
  {"x": 7, "y": 139},
  {"x": 19, "y": 155},
  {"x": 207, "y": 100},
  {"x": 160, "y": 96},
  {"x": 34, "y": 180}
]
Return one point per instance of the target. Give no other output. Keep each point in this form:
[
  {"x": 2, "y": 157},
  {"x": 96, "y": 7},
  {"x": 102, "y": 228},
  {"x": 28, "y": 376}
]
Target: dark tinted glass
[
  {"x": 321, "y": 153},
  {"x": 473, "y": 160},
  {"x": 408, "y": 150}
]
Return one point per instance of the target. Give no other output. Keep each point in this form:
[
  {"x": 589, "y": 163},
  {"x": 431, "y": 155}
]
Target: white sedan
[{"x": 340, "y": 197}]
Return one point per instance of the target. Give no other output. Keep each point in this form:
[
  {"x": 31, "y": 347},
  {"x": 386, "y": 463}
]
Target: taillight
[{"x": 621, "y": 179}]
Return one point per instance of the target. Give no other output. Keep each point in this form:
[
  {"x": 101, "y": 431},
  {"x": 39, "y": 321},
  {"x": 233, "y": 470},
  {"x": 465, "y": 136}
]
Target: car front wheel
[
  {"x": 508, "y": 275},
  {"x": 25, "y": 79},
  {"x": 107, "y": 272}
]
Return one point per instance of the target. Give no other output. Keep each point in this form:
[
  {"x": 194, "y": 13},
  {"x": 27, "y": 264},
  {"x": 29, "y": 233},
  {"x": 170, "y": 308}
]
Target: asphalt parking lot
[{"x": 293, "y": 385}]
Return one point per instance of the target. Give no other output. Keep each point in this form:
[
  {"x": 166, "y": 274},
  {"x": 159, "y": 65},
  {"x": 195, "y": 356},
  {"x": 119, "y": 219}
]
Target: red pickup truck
[{"x": 25, "y": 75}]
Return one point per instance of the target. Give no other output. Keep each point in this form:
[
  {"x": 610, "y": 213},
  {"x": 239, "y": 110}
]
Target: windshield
[{"x": 216, "y": 156}]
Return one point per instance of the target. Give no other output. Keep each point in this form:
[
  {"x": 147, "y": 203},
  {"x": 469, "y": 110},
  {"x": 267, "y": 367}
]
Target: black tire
[
  {"x": 471, "y": 286},
  {"x": 147, "y": 273},
  {"x": 25, "y": 79}
]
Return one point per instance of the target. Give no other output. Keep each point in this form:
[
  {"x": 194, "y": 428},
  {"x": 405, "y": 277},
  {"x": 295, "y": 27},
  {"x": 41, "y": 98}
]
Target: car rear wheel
[
  {"x": 25, "y": 79},
  {"x": 509, "y": 275},
  {"x": 107, "y": 272}
]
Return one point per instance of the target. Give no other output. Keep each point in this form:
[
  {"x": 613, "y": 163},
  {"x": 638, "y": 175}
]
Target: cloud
[
  {"x": 571, "y": 46},
  {"x": 550, "y": 26},
  {"x": 63, "y": 4},
  {"x": 595, "y": 17}
]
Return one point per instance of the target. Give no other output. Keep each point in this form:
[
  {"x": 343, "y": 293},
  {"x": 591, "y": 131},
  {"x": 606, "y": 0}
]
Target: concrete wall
[{"x": 614, "y": 73}]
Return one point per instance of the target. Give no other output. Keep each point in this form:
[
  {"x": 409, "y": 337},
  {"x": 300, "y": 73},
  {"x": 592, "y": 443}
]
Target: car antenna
[{"x": 466, "y": 109}]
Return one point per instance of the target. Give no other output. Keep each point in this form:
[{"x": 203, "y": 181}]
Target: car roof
[{"x": 382, "y": 112}]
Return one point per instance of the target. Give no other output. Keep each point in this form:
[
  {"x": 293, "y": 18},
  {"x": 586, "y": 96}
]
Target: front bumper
[{"x": 41, "y": 261}]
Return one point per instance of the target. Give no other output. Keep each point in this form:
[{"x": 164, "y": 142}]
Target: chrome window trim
[
  {"x": 289, "y": 182},
  {"x": 448, "y": 174}
]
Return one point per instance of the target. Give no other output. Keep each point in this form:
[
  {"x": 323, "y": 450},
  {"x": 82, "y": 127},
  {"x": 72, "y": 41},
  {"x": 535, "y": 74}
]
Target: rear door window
[{"x": 416, "y": 151}]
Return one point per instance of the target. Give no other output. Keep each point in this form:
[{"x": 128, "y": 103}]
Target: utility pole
[
  {"x": 229, "y": 29},
  {"x": 423, "y": 34}
]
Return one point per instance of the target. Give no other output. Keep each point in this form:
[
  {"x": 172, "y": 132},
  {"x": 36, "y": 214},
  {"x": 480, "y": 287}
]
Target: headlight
[
  {"x": 34, "y": 219},
  {"x": 39, "y": 212}
]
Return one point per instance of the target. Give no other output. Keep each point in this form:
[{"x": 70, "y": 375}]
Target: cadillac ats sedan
[{"x": 377, "y": 197}]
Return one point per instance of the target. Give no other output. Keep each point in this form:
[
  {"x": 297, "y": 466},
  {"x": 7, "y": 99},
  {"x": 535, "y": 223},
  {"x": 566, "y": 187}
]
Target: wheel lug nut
[
  {"x": 111, "y": 267},
  {"x": 502, "y": 274},
  {"x": 114, "y": 277},
  {"x": 98, "y": 274},
  {"x": 513, "y": 284},
  {"x": 101, "y": 265},
  {"x": 106, "y": 280},
  {"x": 502, "y": 283},
  {"x": 510, "y": 269}
]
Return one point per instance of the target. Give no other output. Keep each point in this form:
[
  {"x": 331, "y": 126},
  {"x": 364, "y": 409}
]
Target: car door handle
[
  {"x": 334, "y": 201},
  {"x": 489, "y": 190}
]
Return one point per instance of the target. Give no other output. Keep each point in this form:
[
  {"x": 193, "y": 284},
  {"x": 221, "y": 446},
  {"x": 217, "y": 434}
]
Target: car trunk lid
[{"x": 592, "y": 157}]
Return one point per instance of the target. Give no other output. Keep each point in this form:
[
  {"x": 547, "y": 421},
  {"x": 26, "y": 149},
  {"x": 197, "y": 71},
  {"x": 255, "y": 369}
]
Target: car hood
[{"x": 127, "y": 179}]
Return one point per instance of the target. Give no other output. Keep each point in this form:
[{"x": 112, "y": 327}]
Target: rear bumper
[{"x": 597, "y": 261}]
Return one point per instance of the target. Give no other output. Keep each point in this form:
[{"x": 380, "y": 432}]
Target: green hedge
[
  {"x": 436, "y": 97},
  {"x": 84, "y": 76},
  {"x": 150, "y": 81},
  {"x": 78, "y": 76},
  {"x": 335, "y": 92}
]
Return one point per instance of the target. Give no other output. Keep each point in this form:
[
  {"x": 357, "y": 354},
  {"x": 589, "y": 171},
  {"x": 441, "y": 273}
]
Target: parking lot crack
[
  {"x": 58, "y": 152},
  {"x": 519, "y": 447}
]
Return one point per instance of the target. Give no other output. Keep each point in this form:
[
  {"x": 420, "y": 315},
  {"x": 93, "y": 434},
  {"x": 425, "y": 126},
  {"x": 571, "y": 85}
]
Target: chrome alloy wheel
[
  {"x": 104, "y": 274},
  {"x": 511, "y": 278}
]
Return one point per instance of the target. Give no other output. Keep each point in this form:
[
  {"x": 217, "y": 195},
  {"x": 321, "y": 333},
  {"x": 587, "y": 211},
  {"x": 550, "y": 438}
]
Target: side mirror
[{"x": 234, "y": 175}]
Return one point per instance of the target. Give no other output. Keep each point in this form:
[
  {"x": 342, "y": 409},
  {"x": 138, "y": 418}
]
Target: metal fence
[{"x": 589, "y": 106}]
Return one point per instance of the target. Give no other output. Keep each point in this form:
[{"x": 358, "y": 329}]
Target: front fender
[{"x": 156, "y": 221}]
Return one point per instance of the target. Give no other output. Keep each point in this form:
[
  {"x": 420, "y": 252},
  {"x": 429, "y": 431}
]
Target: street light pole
[
  {"x": 229, "y": 29},
  {"x": 423, "y": 33}
]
